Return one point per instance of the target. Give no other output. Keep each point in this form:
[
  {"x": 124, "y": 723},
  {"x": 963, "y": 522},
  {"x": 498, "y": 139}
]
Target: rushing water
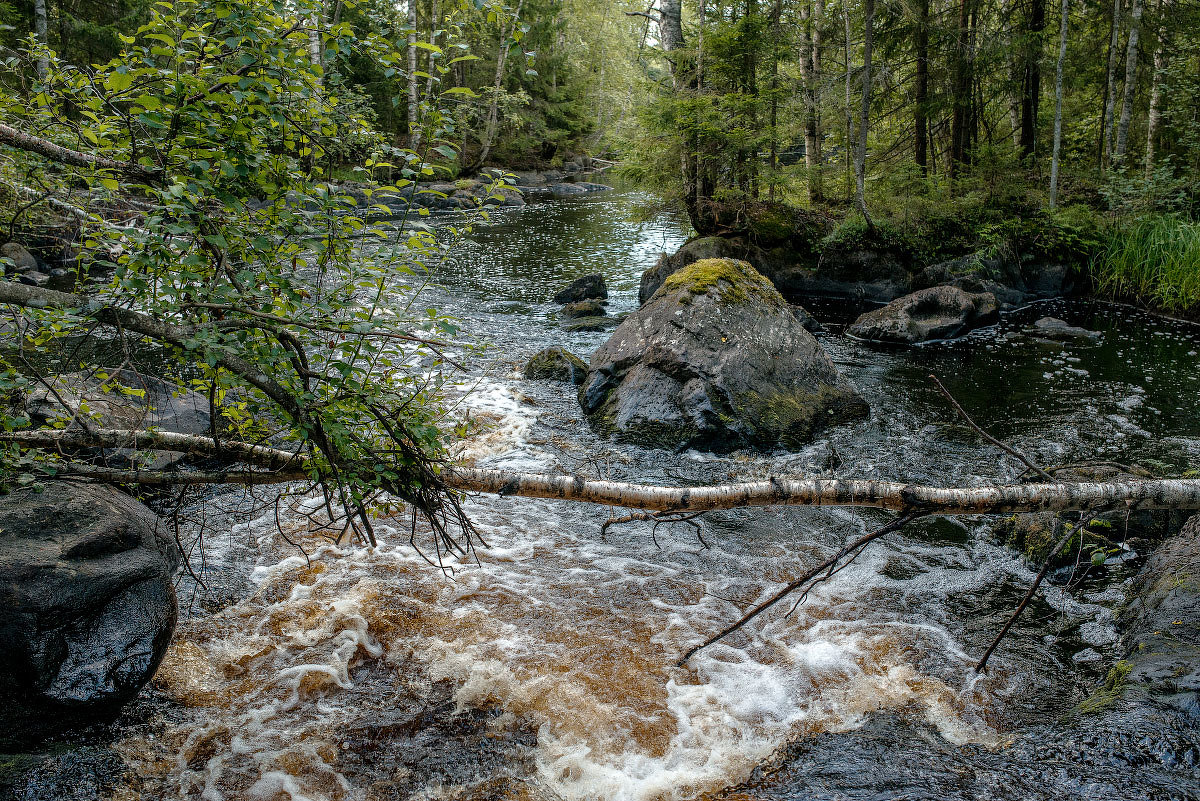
[{"x": 546, "y": 670}]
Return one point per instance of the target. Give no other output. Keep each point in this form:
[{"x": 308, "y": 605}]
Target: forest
[{"x": 624, "y": 399}]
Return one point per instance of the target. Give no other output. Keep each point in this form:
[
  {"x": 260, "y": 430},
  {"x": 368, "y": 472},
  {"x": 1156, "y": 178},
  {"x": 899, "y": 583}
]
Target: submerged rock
[
  {"x": 556, "y": 364},
  {"x": 1060, "y": 331},
  {"x": 86, "y": 579},
  {"x": 715, "y": 360},
  {"x": 941, "y": 312},
  {"x": 583, "y": 308},
  {"x": 589, "y": 287},
  {"x": 591, "y": 323}
]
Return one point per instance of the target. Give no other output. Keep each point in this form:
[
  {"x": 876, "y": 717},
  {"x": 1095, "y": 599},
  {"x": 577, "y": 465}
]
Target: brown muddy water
[{"x": 546, "y": 670}]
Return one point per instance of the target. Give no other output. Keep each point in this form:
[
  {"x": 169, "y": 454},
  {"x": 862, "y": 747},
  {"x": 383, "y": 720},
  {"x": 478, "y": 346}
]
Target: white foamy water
[{"x": 570, "y": 635}]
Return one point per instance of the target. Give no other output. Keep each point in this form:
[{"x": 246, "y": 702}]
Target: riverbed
[{"x": 545, "y": 669}]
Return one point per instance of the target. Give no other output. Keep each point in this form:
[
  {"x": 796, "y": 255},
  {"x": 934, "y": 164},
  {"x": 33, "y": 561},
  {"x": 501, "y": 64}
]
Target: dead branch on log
[
  {"x": 43, "y": 147},
  {"x": 1010, "y": 450},
  {"x": 814, "y": 576},
  {"x": 1037, "y": 582},
  {"x": 658, "y": 518}
]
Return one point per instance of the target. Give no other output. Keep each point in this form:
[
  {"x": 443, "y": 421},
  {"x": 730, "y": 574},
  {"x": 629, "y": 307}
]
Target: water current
[{"x": 546, "y": 670}]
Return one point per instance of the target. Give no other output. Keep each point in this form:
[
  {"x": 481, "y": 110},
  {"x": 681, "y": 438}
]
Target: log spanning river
[{"x": 546, "y": 670}]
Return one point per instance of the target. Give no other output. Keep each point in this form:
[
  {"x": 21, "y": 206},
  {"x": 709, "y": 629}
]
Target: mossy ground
[
  {"x": 735, "y": 281},
  {"x": 1110, "y": 693}
]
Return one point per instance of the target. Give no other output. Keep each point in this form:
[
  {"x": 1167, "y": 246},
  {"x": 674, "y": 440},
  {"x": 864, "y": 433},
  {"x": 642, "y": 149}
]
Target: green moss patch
[
  {"x": 1113, "y": 689},
  {"x": 735, "y": 281}
]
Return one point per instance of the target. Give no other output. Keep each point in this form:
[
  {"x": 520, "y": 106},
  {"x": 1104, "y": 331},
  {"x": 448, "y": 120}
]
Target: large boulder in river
[
  {"x": 941, "y": 312},
  {"x": 692, "y": 251},
  {"x": 87, "y": 603},
  {"x": 715, "y": 360},
  {"x": 589, "y": 287}
]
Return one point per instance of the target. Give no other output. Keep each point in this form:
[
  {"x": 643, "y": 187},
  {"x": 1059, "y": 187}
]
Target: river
[{"x": 546, "y": 669}]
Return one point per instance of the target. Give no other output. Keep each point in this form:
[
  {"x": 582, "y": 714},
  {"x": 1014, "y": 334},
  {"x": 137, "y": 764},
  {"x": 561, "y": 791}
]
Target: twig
[
  {"x": 1002, "y": 446},
  {"x": 828, "y": 564},
  {"x": 982, "y": 664}
]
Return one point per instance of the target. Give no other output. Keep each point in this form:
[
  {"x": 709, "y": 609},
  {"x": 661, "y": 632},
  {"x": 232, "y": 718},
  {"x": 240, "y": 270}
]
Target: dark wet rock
[
  {"x": 1162, "y": 622},
  {"x": 83, "y": 773},
  {"x": 88, "y": 604},
  {"x": 807, "y": 320},
  {"x": 716, "y": 360},
  {"x": 34, "y": 278},
  {"x": 125, "y": 400},
  {"x": 589, "y": 287},
  {"x": 940, "y": 312},
  {"x": 592, "y": 323},
  {"x": 556, "y": 364},
  {"x": 583, "y": 308},
  {"x": 996, "y": 270},
  {"x": 1060, "y": 331},
  {"x": 22, "y": 260}
]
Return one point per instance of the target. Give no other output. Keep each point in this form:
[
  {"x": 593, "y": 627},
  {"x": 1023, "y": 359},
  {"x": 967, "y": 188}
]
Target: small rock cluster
[
  {"x": 583, "y": 304},
  {"x": 23, "y": 266}
]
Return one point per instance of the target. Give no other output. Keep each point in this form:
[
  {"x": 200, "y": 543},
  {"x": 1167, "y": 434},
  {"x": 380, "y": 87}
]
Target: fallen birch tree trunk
[
  {"x": 282, "y": 466},
  {"x": 1059, "y": 497}
]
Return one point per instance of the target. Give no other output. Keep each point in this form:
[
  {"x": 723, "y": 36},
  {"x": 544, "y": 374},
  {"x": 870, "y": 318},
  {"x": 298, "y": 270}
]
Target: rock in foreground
[
  {"x": 941, "y": 312},
  {"x": 589, "y": 287},
  {"x": 87, "y": 604},
  {"x": 556, "y": 364},
  {"x": 715, "y": 360}
]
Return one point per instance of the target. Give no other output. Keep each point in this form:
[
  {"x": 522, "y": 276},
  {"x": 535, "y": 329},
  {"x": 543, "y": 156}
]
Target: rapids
[{"x": 545, "y": 670}]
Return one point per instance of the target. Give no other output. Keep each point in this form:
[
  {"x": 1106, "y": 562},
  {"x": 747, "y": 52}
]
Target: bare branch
[
  {"x": 43, "y": 147},
  {"x": 1022, "y": 458}
]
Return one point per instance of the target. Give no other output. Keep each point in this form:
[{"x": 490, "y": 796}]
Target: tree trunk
[
  {"x": 864, "y": 121},
  {"x": 670, "y": 26},
  {"x": 921, "y": 99},
  {"x": 849, "y": 104},
  {"x": 1058, "y": 97},
  {"x": 489, "y": 128},
  {"x": 810, "y": 73},
  {"x": 1031, "y": 89},
  {"x": 1154, "y": 119},
  {"x": 960, "y": 122},
  {"x": 1110, "y": 90},
  {"x": 1131, "y": 66},
  {"x": 1003, "y": 499},
  {"x": 773, "y": 103},
  {"x": 39, "y": 30},
  {"x": 1161, "y": 494},
  {"x": 414, "y": 131}
]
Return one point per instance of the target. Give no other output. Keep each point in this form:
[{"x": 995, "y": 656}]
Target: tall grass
[{"x": 1154, "y": 259}]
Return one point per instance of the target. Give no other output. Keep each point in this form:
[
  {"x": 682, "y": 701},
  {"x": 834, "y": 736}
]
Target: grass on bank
[{"x": 1154, "y": 259}]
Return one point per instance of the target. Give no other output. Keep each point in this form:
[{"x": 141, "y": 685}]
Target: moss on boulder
[
  {"x": 715, "y": 360},
  {"x": 556, "y": 364}
]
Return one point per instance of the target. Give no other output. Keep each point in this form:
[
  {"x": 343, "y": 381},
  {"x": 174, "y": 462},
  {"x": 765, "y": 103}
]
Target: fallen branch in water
[
  {"x": 1037, "y": 582},
  {"x": 897, "y": 496},
  {"x": 1177, "y": 493},
  {"x": 814, "y": 575}
]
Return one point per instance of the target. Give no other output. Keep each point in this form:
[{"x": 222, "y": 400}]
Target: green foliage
[
  {"x": 246, "y": 248},
  {"x": 1155, "y": 258}
]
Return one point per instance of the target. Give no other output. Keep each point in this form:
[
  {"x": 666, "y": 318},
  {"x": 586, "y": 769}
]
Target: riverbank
[{"x": 1019, "y": 254}]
